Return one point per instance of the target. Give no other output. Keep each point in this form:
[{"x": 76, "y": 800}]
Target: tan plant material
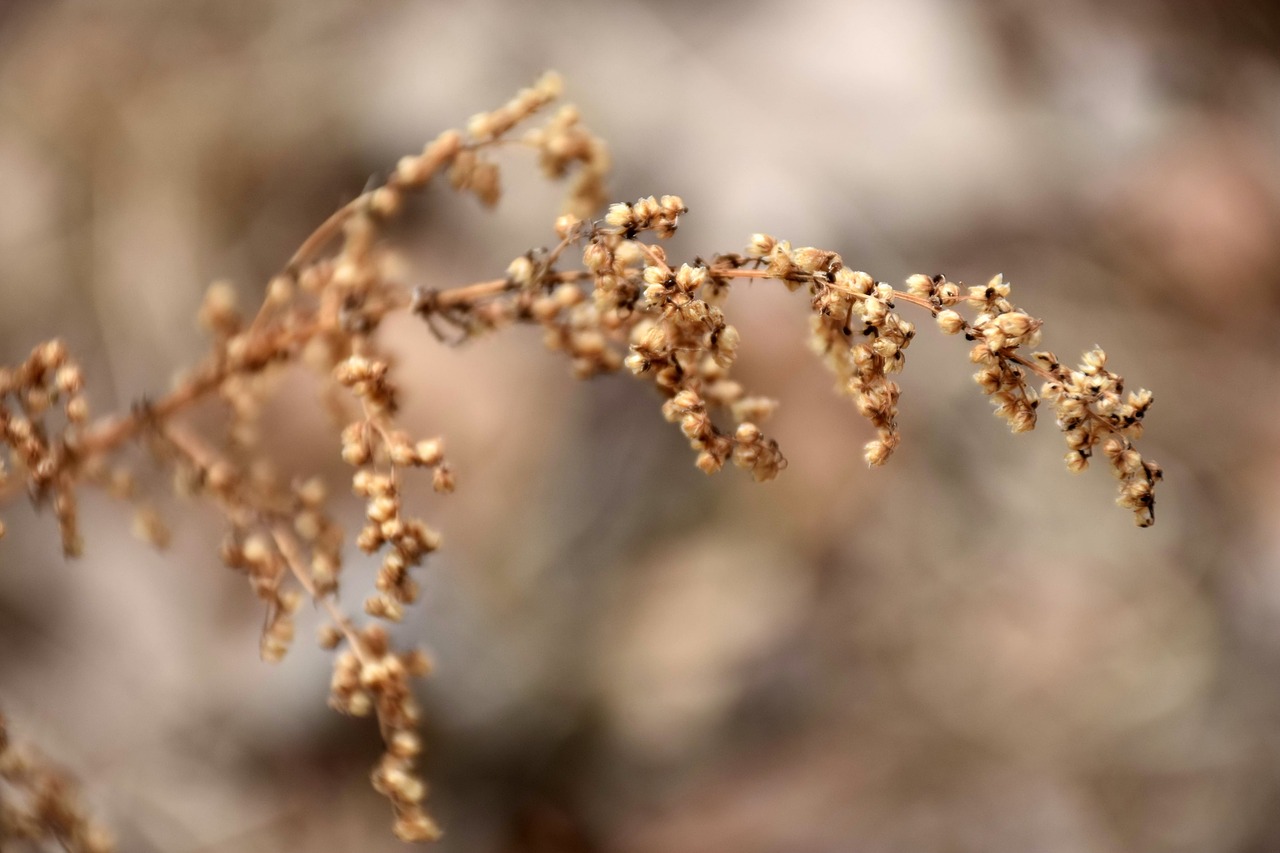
[
  {"x": 607, "y": 297},
  {"x": 39, "y": 802}
]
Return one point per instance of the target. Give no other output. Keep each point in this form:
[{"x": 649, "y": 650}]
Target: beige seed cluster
[
  {"x": 667, "y": 319},
  {"x": 371, "y": 677},
  {"x": 1093, "y": 411},
  {"x": 855, "y": 330},
  {"x": 564, "y": 144},
  {"x": 647, "y": 214},
  {"x": 688, "y": 348},
  {"x": 573, "y": 326},
  {"x": 663, "y": 323},
  {"x": 408, "y": 540},
  {"x": 671, "y": 320},
  {"x": 42, "y": 410},
  {"x": 605, "y": 295},
  {"x": 999, "y": 330},
  {"x": 40, "y": 804}
]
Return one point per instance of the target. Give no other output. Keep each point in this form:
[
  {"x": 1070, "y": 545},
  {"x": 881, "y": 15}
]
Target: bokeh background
[{"x": 969, "y": 650}]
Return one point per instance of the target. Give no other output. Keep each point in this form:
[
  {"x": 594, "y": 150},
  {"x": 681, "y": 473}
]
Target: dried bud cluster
[
  {"x": 43, "y": 451},
  {"x": 40, "y": 804},
  {"x": 370, "y": 677},
  {"x": 367, "y": 379},
  {"x": 687, "y": 349},
  {"x": 574, "y": 326},
  {"x": 1000, "y": 329},
  {"x": 409, "y": 540},
  {"x": 626, "y": 305},
  {"x": 669, "y": 319},
  {"x": 1092, "y": 411},
  {"x": 648, "y": 214},
  {"x": 564, "y": 142},
  {"x": 854, "y": 329},
  {"x": 1088, "y": 401}
]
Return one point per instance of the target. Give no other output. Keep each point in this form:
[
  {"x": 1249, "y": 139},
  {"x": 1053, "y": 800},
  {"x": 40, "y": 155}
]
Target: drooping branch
[{"x": 606, "y": 296}]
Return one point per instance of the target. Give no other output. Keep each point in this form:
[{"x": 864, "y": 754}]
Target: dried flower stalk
[{"x": 623, "y": 303}]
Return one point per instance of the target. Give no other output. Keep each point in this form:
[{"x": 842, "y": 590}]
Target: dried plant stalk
[{"x": 606, "y": 296}]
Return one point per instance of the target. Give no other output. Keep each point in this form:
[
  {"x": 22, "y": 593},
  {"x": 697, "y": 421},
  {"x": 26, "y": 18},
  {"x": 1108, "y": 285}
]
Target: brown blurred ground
[{"x": 969, "y": 650}]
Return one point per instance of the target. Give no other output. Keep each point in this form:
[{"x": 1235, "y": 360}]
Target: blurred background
[{"x": 968, "y": 650}]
